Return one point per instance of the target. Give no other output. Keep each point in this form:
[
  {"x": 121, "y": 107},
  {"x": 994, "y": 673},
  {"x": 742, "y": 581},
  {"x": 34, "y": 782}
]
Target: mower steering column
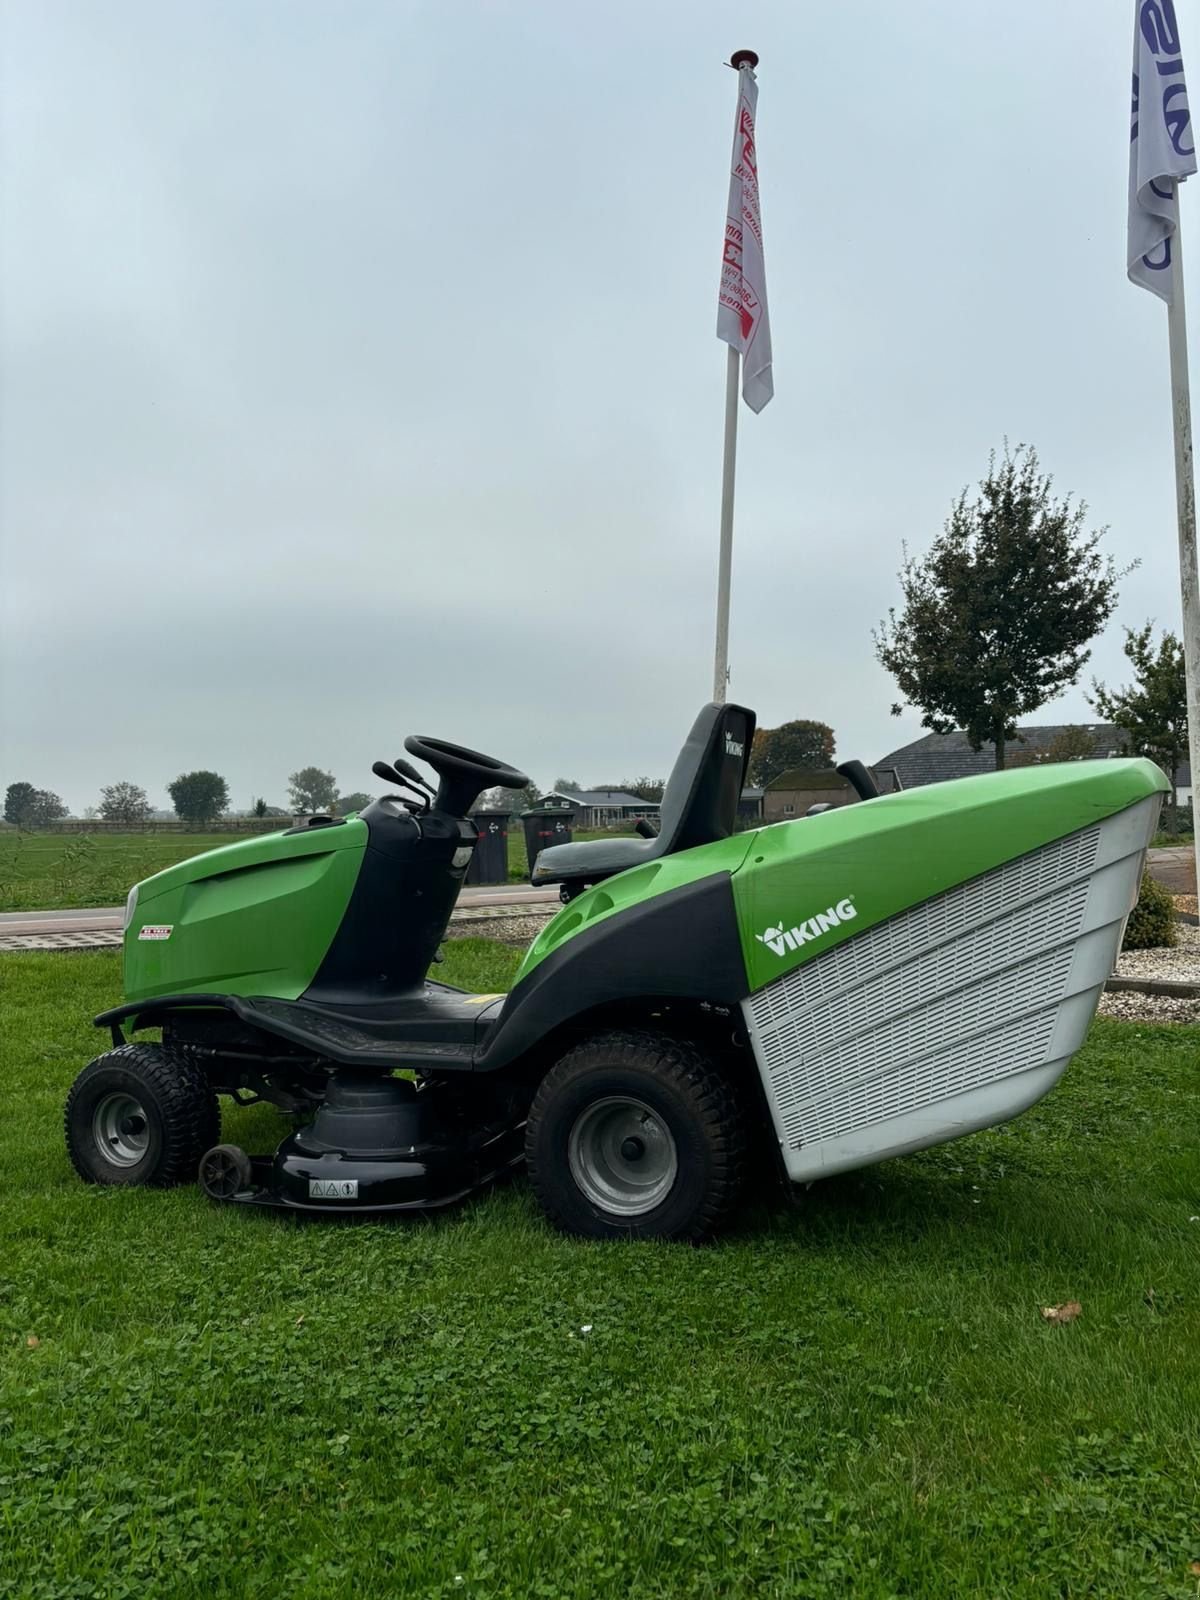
[{"x": 464, "y": 773}]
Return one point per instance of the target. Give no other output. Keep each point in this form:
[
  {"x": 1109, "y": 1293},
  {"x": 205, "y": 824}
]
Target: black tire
[
  {"x": 690, "y": 1100},
  {"x": 225, "y": 1171},
  {"x": 173, "y": 1117}
]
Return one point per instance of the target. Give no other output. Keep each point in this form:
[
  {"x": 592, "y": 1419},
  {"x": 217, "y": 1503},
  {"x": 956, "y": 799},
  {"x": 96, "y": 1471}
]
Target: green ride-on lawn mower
[{"x": 823, "y": 992}]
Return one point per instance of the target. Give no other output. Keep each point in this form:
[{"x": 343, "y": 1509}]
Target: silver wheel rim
[
  {"x": 622, "y": 1156},
  {"x": 121, "y": 1129}
]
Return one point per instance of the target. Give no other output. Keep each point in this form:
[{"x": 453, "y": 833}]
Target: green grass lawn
[
  {"x": 42, "y": 870},
  {"x": 853, "y": 1396},
  {"x": 39, "y": 870},
  {"x": 1176, "y": 841}
]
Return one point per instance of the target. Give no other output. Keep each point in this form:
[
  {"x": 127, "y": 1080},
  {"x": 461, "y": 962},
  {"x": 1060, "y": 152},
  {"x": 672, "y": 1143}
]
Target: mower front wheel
[
  {"x": 141, "y": 1114},
  {"x": 636, "y": 1135}
]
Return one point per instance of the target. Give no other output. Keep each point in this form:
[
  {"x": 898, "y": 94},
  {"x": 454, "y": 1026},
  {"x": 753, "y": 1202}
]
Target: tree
[
  {"x": 198, "y": 797},
  {"x": 647, "y": 788},
  {"x": 566, "y": 786},
  {"x": 312, "y": 789},
  {"x": 795, "y": 744},
  {"x": 124, "y": 802},
  {"x": 353, "y": 802},
  {"x": 999, "y": 613},
  {"x": 1152, "y": 710},
  {"x": 45, "y": 807},
  {"x": 258, "y": 807},
  {"x": 18, "y": 803},
  {"x": 513, "y": 801},
  {"x": 32, "y": 808}
]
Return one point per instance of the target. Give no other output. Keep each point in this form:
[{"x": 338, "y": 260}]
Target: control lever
[
  {"x": 389, "y": 774},
  {"x": 381, "y": 769},
  {"x": 645, "y": 828},
  {"x": 409, "y": 771}
]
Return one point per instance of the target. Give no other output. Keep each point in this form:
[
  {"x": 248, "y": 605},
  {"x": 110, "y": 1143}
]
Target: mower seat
[{"x": 699, "y": 804}]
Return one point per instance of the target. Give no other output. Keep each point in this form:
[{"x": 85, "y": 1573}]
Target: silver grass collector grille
[{"x": 954, "y": 994}]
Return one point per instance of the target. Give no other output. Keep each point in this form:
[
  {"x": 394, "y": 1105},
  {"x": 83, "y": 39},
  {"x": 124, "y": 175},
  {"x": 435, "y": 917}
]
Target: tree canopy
[
  {"x": 29, "y": 807},
  {"x": 1152, "y": 711},
  {"x": 199, "y": 797},
  {"x": 513, "y": 801},
  {"x": 998, "y": 615},
  {"x": 124, "y": 802},
  {"x": 353, "y": 802},
  {"x": 802, "y": 743},
  {"x": 18, "y": 803},
  {"x": 312, "y": 789}
]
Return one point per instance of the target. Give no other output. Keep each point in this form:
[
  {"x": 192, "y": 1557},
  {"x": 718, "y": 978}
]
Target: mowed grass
[
  {"x": 40, "y": 871},
  {"x": 853, "y": 1396}
]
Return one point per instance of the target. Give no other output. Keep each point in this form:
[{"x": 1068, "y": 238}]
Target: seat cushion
[{"x": 592, "y": 859}]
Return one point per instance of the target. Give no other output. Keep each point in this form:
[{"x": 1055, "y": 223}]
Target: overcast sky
[{"x": 359, "y": 373}]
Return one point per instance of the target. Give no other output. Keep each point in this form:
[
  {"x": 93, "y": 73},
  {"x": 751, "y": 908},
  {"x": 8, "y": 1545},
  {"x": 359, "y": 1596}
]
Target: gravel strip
[
  {"x": 1128, "y": 1007},
  {"x": 97, "y": 939},
  {"x": 1180, "y": 965},
  {"x": 519, "y": 931}
]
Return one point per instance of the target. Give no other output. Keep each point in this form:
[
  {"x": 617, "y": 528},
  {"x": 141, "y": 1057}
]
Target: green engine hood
[{"x": 255, "y": 917}]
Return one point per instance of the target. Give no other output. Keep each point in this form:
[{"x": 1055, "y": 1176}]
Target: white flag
[
  {"x": 1161, "y": 149},
  {"x": 742, "y": 319}
]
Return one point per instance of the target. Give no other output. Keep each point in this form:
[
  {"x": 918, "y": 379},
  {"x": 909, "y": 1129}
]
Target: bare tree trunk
[{"x": 1000, "y": 747}]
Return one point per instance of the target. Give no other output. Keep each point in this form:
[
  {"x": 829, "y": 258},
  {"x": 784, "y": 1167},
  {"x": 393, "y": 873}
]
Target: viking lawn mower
[{"x": 836, "y": 989}]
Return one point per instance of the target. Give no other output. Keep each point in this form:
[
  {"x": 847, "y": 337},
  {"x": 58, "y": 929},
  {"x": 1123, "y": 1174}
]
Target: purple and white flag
[
  {"x": 1162, "y": 151},
  {"x": 742, "y": 319}
]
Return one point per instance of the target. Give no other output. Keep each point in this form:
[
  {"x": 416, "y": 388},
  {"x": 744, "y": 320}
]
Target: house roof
[
  {"x": 940, "y": 756},
  {"x": 808, "y": 778},
  {"x": 600, "y": 797},
  {"x": 804, "y": 778}
]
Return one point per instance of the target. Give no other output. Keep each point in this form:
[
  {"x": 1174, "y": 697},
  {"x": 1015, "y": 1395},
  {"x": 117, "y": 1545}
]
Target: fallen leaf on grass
[
  {"x": 1063, "y": 1313},
  {"x": 32, "y": 1342},
  {"x": 1194, "y": 1569},
  {"x": 300, "y": 1319}
]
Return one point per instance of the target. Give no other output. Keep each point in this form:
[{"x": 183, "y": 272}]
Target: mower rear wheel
[
  {"x": 141, "y": 1114},
  {"x": 636, "y": 1135}
]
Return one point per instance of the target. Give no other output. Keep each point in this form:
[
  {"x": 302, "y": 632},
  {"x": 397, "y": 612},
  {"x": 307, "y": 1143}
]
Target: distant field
[{"x": 40, "y": 871}]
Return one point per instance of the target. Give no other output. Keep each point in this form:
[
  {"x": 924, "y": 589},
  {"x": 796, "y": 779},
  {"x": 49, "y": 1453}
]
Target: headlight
[{"x": 130, "y": 908}]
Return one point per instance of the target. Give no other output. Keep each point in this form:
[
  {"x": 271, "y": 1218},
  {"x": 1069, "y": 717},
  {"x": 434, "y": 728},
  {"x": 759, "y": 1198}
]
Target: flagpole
[
  {"x": 725, "y": 560},
  {"x": 1185, "y": 506},
  {"x": 740, "y": 60}
]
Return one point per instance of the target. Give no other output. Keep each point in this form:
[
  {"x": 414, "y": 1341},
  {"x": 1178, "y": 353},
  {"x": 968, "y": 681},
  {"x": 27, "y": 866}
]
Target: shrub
[
  {"x": 1176, "y": 820},
  {"x": 1152, "y": 921}
]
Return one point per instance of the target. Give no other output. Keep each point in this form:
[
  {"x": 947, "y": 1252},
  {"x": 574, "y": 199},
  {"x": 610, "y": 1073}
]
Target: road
[{"x": 107, "y": 919}]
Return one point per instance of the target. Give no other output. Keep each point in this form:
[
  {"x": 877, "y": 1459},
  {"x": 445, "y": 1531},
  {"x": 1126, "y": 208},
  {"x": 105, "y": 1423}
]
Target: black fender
[{"x": 680, "y": 945}]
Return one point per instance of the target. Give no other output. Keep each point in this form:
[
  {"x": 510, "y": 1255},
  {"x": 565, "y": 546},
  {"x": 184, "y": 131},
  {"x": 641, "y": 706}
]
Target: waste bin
[
  {"x": 544, "y": 826},
  {"x": 489, "y": 859}
]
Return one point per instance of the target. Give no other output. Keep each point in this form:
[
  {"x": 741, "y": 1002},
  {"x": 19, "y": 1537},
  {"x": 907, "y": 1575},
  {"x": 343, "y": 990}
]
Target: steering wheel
[{"x": 464, "y": 773}]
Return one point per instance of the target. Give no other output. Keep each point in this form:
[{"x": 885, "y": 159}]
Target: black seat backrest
[{"x": 700, "y": 801}]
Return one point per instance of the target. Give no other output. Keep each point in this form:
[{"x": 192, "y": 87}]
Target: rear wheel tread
[{"x": 677, "y": 1064}]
